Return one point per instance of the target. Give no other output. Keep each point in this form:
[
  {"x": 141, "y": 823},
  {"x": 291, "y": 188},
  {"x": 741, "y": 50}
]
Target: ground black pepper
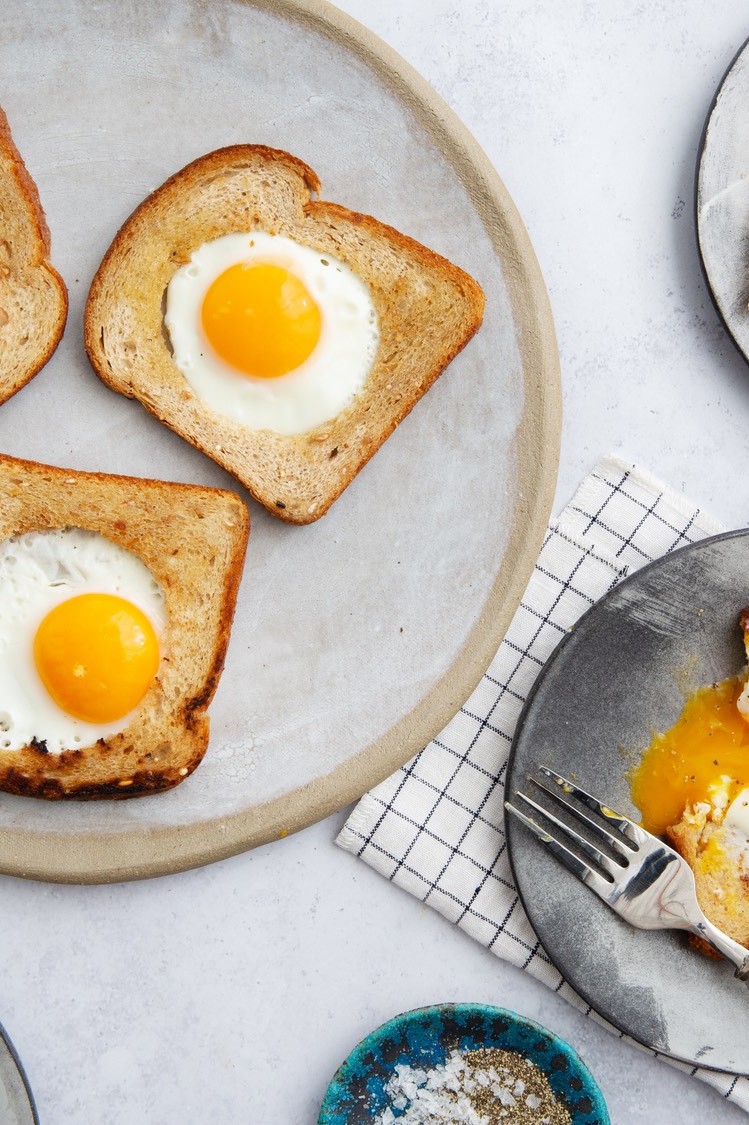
[{"x": 487, "y": 1086}]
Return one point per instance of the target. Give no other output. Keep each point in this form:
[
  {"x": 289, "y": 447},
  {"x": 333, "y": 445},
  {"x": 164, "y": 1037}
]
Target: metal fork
[{"x": 646, "y": 882}]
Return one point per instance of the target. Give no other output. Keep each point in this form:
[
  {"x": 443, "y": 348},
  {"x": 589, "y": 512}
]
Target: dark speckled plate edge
[
  {"x": 512, "y": 828},
  {"x": 715, "y": 296},
  {"x": 12, "y": 1068},
  {"x": 444, "y": 1025}
]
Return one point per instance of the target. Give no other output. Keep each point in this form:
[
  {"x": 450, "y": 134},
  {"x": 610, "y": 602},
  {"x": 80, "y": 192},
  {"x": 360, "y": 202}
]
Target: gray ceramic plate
[
  {"x": 356, "y": 638},
  {"x": 16, "y": 1100},
  {"x": 723, "y": 200},
  {"x": 621, "y": 673}
]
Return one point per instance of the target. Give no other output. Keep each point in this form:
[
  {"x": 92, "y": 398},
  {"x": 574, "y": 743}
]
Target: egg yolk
[
  {"x": 96, "y": 655},
  {"x": 709, "y": 741},
  {"x": 261, "y": 319}
]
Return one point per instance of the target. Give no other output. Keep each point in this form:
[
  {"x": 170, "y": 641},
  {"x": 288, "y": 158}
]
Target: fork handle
[{"x": 727, "y": 947}]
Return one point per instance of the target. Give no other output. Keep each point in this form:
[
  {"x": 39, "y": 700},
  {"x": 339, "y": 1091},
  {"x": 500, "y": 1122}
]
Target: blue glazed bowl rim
[{"x": 372, "y": 1040}]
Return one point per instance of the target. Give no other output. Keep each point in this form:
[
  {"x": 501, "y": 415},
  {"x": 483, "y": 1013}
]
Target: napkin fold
[{"x": 436, "y": 827}]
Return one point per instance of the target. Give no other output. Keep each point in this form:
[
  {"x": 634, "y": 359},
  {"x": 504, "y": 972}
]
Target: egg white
[
  {"x": 38, "y": 571},
  {"x": 312, "y": 393}
]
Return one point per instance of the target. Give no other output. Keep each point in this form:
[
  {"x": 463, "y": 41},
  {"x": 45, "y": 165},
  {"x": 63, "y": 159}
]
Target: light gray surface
[
  {"x": 232, "y": 993},
  {"x": 360, "y": 638},
  {"x": 620, "y": 675}
]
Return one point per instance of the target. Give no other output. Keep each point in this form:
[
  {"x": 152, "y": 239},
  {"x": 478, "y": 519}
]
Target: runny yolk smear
[
  {"x": 261, "y": 319},
  {"x": 96, "y": 654},
  {"x": 707, "y": 743}
]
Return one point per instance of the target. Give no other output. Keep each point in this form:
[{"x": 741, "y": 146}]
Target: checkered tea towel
[{"x": 436, "y": 826}]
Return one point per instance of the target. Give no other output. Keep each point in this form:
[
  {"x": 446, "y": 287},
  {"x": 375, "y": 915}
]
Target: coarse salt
[{"x": 480, "y": 1087}]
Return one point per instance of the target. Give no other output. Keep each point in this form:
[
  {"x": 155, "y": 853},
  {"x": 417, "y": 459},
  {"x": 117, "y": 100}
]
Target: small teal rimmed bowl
[{"x": 425, "y": 1037}]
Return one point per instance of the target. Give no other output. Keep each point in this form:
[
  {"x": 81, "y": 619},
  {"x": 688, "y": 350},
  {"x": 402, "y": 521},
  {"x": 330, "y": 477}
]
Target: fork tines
[{"x": 621, "y": 835}]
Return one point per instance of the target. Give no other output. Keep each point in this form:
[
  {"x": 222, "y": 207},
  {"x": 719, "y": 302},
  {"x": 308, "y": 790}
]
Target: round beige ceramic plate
[{"x": 358, "y": 637}]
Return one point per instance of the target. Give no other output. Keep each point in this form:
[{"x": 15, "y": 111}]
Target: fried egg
[
  {"x": 81, "y": 621},
  {"x": 271, "y": 333}
]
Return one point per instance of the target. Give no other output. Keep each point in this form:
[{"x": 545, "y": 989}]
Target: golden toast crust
[
  {"x": 428, "y": 309},
  {"x": 33, "y": 297},
  {"x": 193, "y": 540}
]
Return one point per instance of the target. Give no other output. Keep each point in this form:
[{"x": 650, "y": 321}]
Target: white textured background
[{"x": 232, "y": 993}]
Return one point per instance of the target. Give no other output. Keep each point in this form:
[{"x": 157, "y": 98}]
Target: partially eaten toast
[
  {"x": 713, "y": 836},
  {"x": 717, "y": 850},
  {"x": 427, "y": 310},
  {"x": 192, "y": 540},
  {"x": 33, "y": 298}
]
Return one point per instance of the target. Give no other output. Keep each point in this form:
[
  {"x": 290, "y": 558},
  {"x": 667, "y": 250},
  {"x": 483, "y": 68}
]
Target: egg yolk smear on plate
[{"x": 707, "y": 748}]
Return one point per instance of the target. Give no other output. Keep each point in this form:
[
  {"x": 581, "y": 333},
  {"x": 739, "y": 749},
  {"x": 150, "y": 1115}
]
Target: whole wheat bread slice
[
  {"x": 33, "y": 298},
  {"x": 193, "y": 540},
  {"x": 428, "y": 309}
]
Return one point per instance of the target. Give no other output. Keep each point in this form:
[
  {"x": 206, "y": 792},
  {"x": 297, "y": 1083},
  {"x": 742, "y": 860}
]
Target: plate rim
[
  {"x": 149, "y": 852},
  {"x": 701, "y": 146},
  {"x": 510, "y": 827},
  {"x": 9, "y": 1045}
]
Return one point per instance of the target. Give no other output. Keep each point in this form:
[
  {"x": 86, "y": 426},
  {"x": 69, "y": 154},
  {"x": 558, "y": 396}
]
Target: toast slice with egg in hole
[
  {"x": 295, "y": 416},
  {"x": 117, "y": 596},
  {"x": 33, "y": 297}
]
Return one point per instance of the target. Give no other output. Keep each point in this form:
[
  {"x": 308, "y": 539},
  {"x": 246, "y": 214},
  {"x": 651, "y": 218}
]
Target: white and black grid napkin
[{"x": 436, "y": 826}]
